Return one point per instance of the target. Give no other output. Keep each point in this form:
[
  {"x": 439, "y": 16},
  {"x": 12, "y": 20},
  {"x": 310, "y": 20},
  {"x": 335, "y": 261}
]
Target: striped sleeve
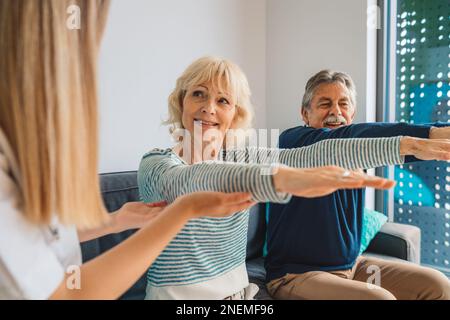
[
  {"x": 362, "y": 153},
  {"x": 161, "y": 176}
]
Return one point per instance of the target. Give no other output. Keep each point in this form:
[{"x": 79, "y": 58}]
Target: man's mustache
[{"x": 336, "y": 119}]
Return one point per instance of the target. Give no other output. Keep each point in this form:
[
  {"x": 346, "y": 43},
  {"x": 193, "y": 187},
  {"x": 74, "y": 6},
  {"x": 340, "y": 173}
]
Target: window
[{"x": 418, "y": 65}]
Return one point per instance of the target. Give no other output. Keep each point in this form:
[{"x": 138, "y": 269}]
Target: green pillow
[{"x": 372, "y": 223}]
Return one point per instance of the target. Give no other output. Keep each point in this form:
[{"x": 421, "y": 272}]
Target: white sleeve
[{"x": 29, "y": 269}]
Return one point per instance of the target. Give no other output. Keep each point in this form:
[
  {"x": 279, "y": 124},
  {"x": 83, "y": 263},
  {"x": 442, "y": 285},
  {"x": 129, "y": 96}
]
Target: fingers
[
  {"x": 378, "y": 183},
  {"x": 442, "y": 145},
  {"x": 218, "y": 204},
  {"x": 156, "y": 210},
  {"x": 156, "y": 204},
  {"x": 426, "y": 149},
  {"x": 361, "y": 180},
  {"x": 239, "y": 207},
  {"x": 438, "y": 149},
  {"x": 442, "y": 155},
  {"x": 235, "y": 198}
]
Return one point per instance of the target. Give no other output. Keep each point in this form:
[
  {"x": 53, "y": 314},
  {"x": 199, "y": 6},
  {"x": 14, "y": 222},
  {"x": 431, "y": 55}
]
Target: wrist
[
  {"x": 280, "y": 178},
  {"x": 406, "y": 145},
  {"x": 433, "y": 133},
  {"x": 113, "y": 224},
  {"x": 183, "y": 208}
]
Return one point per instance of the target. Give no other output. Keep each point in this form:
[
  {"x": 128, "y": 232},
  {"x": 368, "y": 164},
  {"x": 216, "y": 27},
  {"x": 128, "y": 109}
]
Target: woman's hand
[
  {"x": 135, "y": 215},
  {"x": 425, "y": 149},
  {"x": 322, "y": 181},
  {"x": 132, "y": 215},
  {"x": 213, "y": 204}
]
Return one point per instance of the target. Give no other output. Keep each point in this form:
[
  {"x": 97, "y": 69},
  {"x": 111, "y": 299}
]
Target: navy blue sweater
[{"x": 323, "y": 234}]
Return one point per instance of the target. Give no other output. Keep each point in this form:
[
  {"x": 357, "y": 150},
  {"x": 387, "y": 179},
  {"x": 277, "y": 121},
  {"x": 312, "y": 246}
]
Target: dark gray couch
[{"x": 394, "y": 241}]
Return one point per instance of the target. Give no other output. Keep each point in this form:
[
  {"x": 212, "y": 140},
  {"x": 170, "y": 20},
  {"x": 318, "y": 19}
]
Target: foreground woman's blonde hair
[
  {"x": 221, "y": 73},
  {"x": 48, "y": 106}
]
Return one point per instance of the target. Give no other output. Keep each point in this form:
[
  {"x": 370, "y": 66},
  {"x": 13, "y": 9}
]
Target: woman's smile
[{"x": 205, "y": 124}]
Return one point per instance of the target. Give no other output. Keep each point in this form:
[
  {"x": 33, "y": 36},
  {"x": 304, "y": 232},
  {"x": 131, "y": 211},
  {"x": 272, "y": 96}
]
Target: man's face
[{"x": 331, "y": 107}]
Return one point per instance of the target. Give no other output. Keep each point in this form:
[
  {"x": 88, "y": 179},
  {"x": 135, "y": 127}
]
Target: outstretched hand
[
  {"x": 214, "y": 204},
  {"x": 135, "y": 215},
  {"x": 440, "y": 133},
  {"x": 426, "y": 149},
  {"x": 322, "y": 181}
]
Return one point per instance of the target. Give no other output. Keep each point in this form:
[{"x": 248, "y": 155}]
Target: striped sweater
[{"x": 206, "y": 260}]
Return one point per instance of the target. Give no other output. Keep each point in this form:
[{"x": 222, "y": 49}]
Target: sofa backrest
[{"x": 120, "y": 187}]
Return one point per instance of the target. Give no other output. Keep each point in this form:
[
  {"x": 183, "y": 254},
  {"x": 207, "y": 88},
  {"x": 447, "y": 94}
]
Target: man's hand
[
  {"x": 440, "y": 133},
  {"x": 425, "y": 149}
]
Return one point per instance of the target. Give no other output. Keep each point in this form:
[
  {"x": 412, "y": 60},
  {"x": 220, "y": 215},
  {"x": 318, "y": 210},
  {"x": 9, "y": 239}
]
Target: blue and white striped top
[{"x": 206, "y": 260}]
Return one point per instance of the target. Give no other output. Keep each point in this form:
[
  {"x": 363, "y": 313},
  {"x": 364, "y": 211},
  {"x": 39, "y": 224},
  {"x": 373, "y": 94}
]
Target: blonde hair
[
  {"x": 48, "y": 107},
  {"x": 220, "y": 72}
]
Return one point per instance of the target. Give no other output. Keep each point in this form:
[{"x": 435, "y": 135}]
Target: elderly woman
[{"x": 206, "y": 260}]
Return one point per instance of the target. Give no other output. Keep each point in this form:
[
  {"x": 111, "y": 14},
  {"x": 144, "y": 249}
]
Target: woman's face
[{"x": 208, "y": 110}]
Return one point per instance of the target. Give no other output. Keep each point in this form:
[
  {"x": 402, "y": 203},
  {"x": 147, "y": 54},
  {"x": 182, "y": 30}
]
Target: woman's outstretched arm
[
  {"x": 109, "y": 275},
  {"x": 163, "y": 175},
  {"x": 359, "y": 153}
]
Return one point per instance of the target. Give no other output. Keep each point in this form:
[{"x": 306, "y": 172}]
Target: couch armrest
[{"x": 397, "y": 240}]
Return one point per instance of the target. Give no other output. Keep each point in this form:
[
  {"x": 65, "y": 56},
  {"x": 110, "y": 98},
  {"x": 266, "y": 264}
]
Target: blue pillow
[
  {"x": 267, "y": 223},
  {"x": 372, "y": 223}
]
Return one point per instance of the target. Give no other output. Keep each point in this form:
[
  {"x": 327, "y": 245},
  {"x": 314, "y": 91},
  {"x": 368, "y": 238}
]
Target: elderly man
[{"x": 314, "y": 244}]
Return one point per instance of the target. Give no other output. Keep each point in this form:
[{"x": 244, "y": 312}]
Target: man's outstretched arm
[{"x": 303, "y": 136}]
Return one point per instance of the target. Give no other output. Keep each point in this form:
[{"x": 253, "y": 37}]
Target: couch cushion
[
  {"x": 397, "y": 240},
  {"x": 372, "y": 223},
  {"x": 118, "y": 188}
]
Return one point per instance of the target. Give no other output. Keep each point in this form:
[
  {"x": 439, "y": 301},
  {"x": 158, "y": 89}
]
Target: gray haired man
[{"x": 314, "y": 244}]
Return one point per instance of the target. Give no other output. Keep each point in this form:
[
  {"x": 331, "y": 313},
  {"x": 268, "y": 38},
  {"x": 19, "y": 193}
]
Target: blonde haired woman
[{"x": 48, "y": 163}]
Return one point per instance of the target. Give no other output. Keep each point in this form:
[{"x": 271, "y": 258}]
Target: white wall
[
  {"x": 303, "y": 37},
  {"x": 147, "y": 45},
  {"x": 278, "y": 43}
]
